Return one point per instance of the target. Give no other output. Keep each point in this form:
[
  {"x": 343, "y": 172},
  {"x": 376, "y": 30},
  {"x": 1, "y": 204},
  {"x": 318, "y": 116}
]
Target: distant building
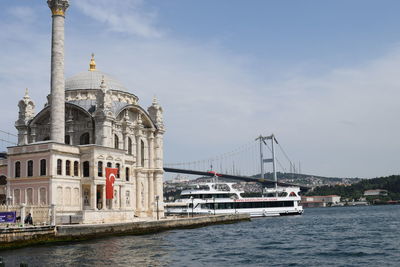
[
  {"x": 376, "y": 192},
  {"x": 319, "y": 201}
]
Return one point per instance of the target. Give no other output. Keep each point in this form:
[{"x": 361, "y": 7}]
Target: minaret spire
[{"x": 57, "y": 108}]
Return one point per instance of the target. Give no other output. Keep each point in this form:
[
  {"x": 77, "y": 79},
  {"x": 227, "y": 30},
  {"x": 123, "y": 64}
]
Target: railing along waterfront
[{"x": 41, "y": 215}]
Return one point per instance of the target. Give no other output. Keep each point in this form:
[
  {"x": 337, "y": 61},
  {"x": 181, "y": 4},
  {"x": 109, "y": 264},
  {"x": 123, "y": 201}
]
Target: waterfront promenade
[{"x": 12, "y": 237}]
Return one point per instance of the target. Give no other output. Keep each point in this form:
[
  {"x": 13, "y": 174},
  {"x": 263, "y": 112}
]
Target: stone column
[
  {"x": 53, "y": 214},
  {"x": 158, "y": 151},
  {"x": 138, "y": 194},
  {"x": 138, "y": 151},
  {"x": 122, "y": 197},
  {"x": 151, "y": 194},
  {"x": 22, "y": 214},
  {"x": 93, "y": 192},
  {"x": 57, "y": 109},
  {"x": 151, "y": 150},
  {"x": 104, "y": 204}
]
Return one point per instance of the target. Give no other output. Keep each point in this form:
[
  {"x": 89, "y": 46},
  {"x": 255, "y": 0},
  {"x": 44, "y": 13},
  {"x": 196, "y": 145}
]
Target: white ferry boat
[{"x": 223, "y": 198}]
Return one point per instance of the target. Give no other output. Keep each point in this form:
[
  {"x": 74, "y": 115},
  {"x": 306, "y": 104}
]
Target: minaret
[{"x": 57, "y": 108}]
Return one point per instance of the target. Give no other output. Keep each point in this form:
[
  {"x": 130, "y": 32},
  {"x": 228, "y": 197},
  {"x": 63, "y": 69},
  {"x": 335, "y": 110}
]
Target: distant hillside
[
  {"x": 309, "y": 180},
  {"x": 355, "y": 191}
]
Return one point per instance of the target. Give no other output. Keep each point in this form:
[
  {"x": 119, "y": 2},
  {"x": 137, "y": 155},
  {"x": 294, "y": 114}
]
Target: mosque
[{"x": 89, "y": 123}]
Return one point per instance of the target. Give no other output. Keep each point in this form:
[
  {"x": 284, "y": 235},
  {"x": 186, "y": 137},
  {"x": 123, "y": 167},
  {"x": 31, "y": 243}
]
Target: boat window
[
  {"x": 247, "y": 205},
  {"x": 221, "y": 187},
  {"x": 293, "y": 194},
  {"x": 283, "y": 194}
]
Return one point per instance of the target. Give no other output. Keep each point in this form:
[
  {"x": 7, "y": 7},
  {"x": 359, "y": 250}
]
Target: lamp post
[
  {"x": 214, "y": 204},
  {"x": 157, "y": 198},
  {"x": 191, "y": 198}
]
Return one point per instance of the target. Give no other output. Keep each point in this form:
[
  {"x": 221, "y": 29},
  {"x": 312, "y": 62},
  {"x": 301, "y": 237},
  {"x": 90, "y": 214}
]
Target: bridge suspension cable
[{"x": 7, "y": 139}]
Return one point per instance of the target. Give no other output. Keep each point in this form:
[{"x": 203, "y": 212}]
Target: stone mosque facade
[{"x": 90, "y": 122}]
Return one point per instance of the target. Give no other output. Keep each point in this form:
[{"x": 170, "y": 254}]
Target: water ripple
[{"x": 346, "y": 236}]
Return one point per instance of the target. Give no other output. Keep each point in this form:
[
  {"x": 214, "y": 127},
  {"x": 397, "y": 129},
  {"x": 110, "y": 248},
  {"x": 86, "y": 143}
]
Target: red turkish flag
[{"x": 111, "y": 174}]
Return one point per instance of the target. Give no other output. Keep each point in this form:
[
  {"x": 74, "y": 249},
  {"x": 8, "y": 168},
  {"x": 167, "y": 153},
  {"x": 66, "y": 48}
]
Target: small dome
[{"x": 92, "y": 80}]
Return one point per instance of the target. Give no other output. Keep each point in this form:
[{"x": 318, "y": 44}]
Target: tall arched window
[
  {"x": 17, "y": 169},
  {"x": 118, "y": 166},
  {"x": 116, "y": 141},
  {"x": 43, "y": 167},
  {"x": 127, "y": 174},
  {"x": 17, "y": 197},
  {"x": 59, "y": 167},
  {"x": 30, "y": 168},
  {"x": 100, "y": 169},
  {"x": 76, "y": 168},
  {"x": 129, "y": 146},
  {"x": 29, "y": 196},
  {"x": 68, "y": 168},
  {"x": 86, "y": 169},
  {"x": 142, "y": 153},
  {"x": 42, "y": 196},
  {"x": 85, "y": 139}
]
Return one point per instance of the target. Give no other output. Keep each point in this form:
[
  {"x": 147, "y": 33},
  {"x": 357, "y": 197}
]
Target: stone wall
[{"x": 17, "y": 237}]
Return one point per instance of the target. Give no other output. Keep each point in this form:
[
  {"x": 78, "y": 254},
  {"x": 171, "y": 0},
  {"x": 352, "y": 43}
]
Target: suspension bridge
[{"x": 244, "y": 163}]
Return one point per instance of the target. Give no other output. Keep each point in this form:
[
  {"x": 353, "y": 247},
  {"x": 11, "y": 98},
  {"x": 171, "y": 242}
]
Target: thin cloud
[{"x": 128, "y": 16}]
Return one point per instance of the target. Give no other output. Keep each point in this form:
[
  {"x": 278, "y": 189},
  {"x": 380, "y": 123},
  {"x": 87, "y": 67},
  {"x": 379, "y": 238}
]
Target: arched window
[
  {"x": 42, "y": 196},
  {"x": 85, "y": 139},
  {"x": 76, "y": 168},
  {"x": 67, "y": 139},
  {"x": 100, "y": 169},
  {"x": 142, "y": 153},
  {"x": 30, "y": 168},
  {"x": 17, "y": 169},
  {"x": 118, "y": 166},
  {"x": 127, "y": 174},
  {"x": 86, "y": 169},
  {"x": 43, "y": 168},
  {"x": 59, "y": 167},
  {"x": 109, "y": 165},
  {"x": 129, "y": 146},
  {"x": 67, "y": 197},
  {"x": 116, "y": 141},
  {"x": 29, "y": 196},
  {"x": 68, "y": 168},
  {"x": 17, "y": 197}
]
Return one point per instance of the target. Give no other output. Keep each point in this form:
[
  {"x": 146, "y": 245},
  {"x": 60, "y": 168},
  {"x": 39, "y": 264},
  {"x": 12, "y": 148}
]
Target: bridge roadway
[{"x": 264, "y": 182}]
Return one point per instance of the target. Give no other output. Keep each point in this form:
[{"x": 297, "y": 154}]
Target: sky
[{"x": 323, "y": 76}]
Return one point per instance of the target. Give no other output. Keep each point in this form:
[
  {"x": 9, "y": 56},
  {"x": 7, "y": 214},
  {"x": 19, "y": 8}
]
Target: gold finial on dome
[{"x": 92, "y": 65}]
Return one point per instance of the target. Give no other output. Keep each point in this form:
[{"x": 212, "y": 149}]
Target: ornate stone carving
[
  {"x": 26, "y": 109},
  {"x": 58, "y": 7},
  {"x": 156, "y": 114}
]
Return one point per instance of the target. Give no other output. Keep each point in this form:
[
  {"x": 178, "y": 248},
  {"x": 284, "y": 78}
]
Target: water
[{"x": 342, "y": 236}]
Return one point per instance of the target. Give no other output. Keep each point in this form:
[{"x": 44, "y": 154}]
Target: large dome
[{"x": 92, "y": 80}]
